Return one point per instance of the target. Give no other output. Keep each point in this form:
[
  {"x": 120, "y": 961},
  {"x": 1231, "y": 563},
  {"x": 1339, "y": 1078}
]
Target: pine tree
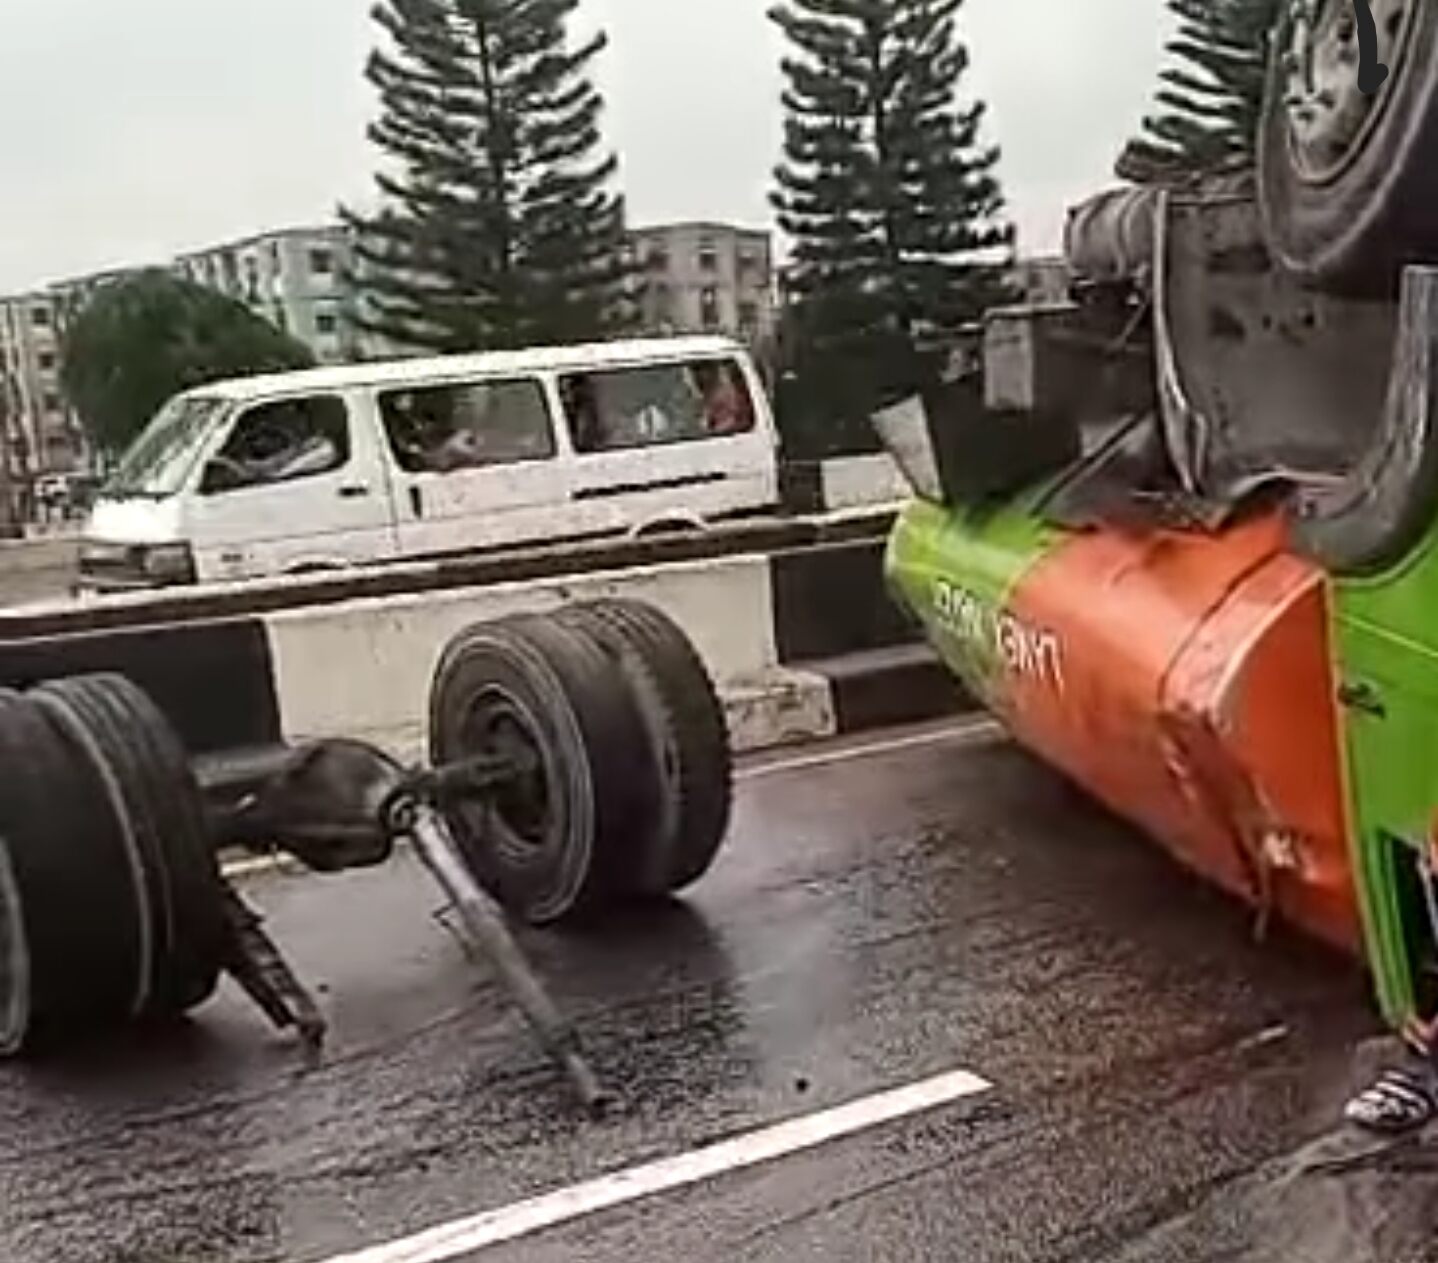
[
  {"x": 498, "y": 226},
  {"x": 1211, "y": 99},
  {"x": 889, "y": 197}
]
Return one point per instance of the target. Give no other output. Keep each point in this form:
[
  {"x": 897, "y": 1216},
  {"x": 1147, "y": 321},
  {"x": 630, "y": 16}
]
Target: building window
[
  {"x": 52, "y": 402},
  {"x": 322, "y": 262},
  {"x": 749, "y": 317},
  {"x": 709, "y": 307},
  {"x": 46, "y": 360},
  {"x": 40, "y": 317},
  {"x": 277, "y": 263},
  {"x": 658, "y": 258},
  {"x": 325, "y": 322},
  {"x": 708, "y": 255}
]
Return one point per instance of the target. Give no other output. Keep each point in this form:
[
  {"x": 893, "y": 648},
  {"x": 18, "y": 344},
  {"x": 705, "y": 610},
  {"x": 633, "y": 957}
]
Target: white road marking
[
  {"x": 478, "y": 1232},
  {"x": 977, "y": 731}
]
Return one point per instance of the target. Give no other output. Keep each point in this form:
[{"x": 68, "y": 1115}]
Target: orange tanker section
[{"x": 1191, "y": 688}]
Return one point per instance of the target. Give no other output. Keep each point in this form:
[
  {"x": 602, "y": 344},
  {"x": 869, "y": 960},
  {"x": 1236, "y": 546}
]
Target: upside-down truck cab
[{"x": 1181, "y": 533}]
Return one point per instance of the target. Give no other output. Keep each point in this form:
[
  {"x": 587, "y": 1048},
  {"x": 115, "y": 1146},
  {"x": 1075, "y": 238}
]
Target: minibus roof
[{"x": 412, "y": 372}]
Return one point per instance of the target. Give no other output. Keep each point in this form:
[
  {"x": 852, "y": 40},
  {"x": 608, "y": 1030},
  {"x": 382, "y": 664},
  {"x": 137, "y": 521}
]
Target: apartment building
[
  {"x": 295, "y": 278},
  {"x": 42, "y": 435},
  {"x": 706, "y": 277}
]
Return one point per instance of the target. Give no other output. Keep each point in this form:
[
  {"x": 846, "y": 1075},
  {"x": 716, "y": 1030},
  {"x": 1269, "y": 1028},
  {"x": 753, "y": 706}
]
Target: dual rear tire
[
  {"x": 624, "y": 775},
  {"x": 1348, "y": 186},
  {"x": 110, "y": 897}
]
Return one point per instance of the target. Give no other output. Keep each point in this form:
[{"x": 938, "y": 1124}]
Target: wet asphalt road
[{"x": 876, "y": 919}]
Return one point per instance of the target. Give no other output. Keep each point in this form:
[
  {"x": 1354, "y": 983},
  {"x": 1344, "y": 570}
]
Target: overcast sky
[{"x": 133, "y": 129}]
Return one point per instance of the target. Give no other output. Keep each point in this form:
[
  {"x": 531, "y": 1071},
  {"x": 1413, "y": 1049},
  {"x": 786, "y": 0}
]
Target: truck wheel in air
[
  {"x": 542, "y": 697},
  {"x": 164, "y": 813},
  {"x": 687, "y": 751},
  {"x": 1348, "y": 184}
]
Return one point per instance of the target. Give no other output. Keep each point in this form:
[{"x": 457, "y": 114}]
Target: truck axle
[{"x": 339, "y": 805}]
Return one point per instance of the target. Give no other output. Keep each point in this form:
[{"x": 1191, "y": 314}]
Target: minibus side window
[
  {"x": 282, "y": 441},
  {"x": 615, "y": 409},
  {"x": 467, "y": 425}
]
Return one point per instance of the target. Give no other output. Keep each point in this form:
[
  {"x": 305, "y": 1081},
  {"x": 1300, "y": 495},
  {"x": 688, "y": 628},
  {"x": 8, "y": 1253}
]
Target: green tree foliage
[
  {"x": 143, "y": 339},
  {"x": 498, "y": 225},
  {"x": 889, "y": 197},
  {"x": 1210, "y": 98}
]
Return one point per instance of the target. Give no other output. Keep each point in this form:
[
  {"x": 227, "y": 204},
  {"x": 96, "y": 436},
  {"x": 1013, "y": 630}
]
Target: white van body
[{"x": 338, "y": 467}]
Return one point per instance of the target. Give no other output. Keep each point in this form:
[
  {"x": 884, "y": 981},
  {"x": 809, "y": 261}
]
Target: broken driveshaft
[{"x": 484, "y": 925}]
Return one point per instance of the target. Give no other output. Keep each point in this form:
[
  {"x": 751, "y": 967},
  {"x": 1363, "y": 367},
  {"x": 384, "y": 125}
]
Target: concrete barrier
[
  {"x": 38, "y": 570},
  {"x": 364, "y": 669},
  {"x": 851, "y": 482},
  {"x": 840, "y": 485}
]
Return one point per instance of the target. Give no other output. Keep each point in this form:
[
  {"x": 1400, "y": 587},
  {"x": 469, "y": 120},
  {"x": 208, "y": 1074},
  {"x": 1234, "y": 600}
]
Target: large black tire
[
  {"x": 165, "y": 813},
  {"x": 1353, "y": 222},
  {"x": 554, "y": 845},
  {"x": 68, "y": 884},
  {"x": 688, "y": 750}
]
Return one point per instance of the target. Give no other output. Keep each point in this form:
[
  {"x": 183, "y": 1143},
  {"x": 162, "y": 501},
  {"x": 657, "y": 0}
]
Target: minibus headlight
[{"x": 168, "y": 563}]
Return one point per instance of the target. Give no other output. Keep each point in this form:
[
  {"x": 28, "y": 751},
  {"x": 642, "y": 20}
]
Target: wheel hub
[
  {"x": 497, "y": 729},
  {"x": 1328, "y": 113}
]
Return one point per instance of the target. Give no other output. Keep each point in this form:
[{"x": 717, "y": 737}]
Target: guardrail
[
  {"x": 35, "y": 570},
  {"x": 244, "y": 599}
]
